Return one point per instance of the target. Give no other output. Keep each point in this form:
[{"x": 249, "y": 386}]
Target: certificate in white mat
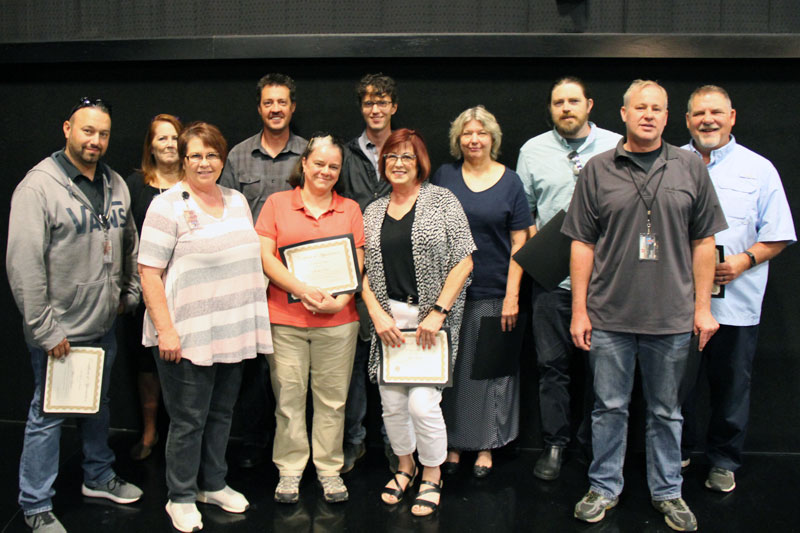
[
  {"x": 410, "y": 364},
  {"x": 330, "y": 264},
  {"x": 73, "y": 384}
]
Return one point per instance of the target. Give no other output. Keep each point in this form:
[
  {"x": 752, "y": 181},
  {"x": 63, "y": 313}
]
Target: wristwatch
[
  {"x": 753, "y": 261},
  {"x": 437, "y": 307}
]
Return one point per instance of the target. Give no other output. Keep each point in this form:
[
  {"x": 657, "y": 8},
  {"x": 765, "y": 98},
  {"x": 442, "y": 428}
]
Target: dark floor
[{"x": 510, "y": 499}]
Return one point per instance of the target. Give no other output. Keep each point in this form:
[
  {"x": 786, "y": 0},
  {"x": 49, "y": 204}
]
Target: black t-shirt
[
  {"x": 645, "y": 160},
  {"x": 93, "y": 189},
  {"x": 398, "y": 260}
]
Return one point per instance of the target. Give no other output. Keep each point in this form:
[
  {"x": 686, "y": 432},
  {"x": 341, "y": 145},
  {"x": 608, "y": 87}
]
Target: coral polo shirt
[{"x": 285, "y": 220}]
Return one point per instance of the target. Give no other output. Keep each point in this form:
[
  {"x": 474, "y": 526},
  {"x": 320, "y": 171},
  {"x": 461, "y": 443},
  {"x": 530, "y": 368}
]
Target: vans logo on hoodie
[{"x": 117, "y": 218}]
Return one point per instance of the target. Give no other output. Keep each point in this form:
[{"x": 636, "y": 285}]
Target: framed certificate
[
  {"x": 409, "y": 364},
  {"x": 330, "y": 264},
  {"x": 73, "y": 384},
  {"x": 718, "y": 291}
]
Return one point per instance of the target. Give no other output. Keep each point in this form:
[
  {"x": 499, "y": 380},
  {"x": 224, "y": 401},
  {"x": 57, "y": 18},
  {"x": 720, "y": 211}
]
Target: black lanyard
[{"x": 641, "y": 196}]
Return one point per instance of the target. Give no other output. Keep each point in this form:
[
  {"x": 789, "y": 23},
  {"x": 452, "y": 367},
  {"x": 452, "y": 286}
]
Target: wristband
[
  {"x": 752, "y": 258},
  {"x": 437, "y": 307}
]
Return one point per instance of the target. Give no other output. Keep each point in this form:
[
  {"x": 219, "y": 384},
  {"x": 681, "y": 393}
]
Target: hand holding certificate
[
  {"x": 411, "y": 364},
  {"x": 73, "y": 384},
  {"x": 329, "y": 264}
]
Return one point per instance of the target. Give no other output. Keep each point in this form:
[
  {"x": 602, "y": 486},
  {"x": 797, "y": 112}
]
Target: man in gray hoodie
[{"x": 71, "y": 264}]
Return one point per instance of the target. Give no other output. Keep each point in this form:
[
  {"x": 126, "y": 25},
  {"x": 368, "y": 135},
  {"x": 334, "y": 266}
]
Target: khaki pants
[{"x": 326, "y": 355}]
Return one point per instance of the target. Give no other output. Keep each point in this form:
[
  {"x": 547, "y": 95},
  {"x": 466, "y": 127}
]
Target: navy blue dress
[{"x": 484, "y": 414}]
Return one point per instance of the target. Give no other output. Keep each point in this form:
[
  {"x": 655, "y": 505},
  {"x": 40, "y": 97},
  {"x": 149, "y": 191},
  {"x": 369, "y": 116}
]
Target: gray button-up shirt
[{"x": 253, "y": 172}]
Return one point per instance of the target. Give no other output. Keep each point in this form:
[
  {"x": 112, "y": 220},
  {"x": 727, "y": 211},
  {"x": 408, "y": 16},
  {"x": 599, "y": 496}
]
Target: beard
[
  {"x": 566, "y": 130},
  {"x": 708, "y": 140},
  {"x": 85, "y": 156}
]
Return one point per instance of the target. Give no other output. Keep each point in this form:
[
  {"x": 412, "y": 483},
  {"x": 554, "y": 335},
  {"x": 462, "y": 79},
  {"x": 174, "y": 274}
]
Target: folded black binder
[
  {"x": 546, "y": 256},
  {"x": 497, "y": 353}
]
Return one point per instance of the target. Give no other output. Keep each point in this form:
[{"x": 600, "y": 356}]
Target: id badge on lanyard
[
  {"x": 108, "y": 249},
  {"x": 648, "y": 247},
  {"x": 648, "y": 241}
]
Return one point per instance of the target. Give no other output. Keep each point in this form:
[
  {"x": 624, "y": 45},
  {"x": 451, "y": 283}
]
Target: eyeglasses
[
  {"x": 382, "y": 104},
  {"x": 406, "y": 159},
  {"x": 196, "y": 159},
  {"x": 577, "y": 166},
  {"x": 88, "y": 101}
]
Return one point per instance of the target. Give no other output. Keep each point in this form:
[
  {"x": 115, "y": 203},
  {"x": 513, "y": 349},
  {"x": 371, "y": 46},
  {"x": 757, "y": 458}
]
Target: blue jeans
[
  {"x": 38, "y": 466},
  {"x": 728, "y": 357},
  {"x": 199, "y": 401},
  {"x": 662, "y": 363}
]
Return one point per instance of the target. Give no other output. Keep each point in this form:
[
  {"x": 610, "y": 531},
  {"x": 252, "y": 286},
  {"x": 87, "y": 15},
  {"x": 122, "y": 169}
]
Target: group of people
[{"x": 221, "y": 317}]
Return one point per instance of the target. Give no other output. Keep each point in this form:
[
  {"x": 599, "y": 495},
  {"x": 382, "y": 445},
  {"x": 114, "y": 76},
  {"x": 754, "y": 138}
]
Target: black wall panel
[
  {"x": 67, "y": 20},
  {"x": 35, "y": 97}
]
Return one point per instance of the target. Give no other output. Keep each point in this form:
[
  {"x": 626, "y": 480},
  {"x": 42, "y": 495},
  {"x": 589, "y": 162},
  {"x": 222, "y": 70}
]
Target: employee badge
[
  {"x": 108, "y": 251},
  {"x": 648, "y": 247},
  {"x": 191, "y": 219}
]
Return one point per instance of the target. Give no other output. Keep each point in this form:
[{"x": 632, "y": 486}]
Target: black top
[
  {"x": 141, "y": 196},
  {"x": 358, "y": 179},
  {"x": 645, "y": 160},
  {"x": 93, "y": 189},
  {"x": 398, "y": 260}
]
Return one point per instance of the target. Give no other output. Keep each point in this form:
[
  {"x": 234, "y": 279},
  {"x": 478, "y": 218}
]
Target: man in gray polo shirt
[
  {"x": 642, "y": 220},
  {"x": 258, "y": 167}
]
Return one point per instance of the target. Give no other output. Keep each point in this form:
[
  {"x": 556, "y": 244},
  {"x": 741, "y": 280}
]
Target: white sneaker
[
  {"x": 185, "y": 516},
  {"x": 227, "y": 498}
]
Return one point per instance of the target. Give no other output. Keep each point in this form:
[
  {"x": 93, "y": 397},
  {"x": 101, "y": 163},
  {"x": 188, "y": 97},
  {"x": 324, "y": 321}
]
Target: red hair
[{"x": 148, "y": 169}]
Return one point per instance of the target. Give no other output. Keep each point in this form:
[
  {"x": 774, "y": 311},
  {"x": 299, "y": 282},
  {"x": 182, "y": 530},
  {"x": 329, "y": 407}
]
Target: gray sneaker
[
  {"x": 593, "y": 506},
  {"x": 333, "y": 489},
  {"x": 677, "y": 514},
  {"x": 720, "y": 480},
  {"x": 44, "y": 522},
  {"x": 352, "y": 453},
  {"x": 288, "y": 489},
  {"x": 117, "y": 490}
]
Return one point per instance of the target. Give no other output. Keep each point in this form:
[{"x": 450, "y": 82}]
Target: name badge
[
  {"x": 191, "y": 219},
  {"x": 108, "y": 251},
  {"x": 648, "y": 247}
]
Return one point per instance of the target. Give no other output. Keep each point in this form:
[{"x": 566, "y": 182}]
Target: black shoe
[
  {"x": 251, "y": 456},
  {"x": 480, "y": 471},
  {"x": 548, "y": 466},
  {"x": 450, "y": 467},
  {"x": 391, "y": 457},
  {"x": 352, "y": 453}
]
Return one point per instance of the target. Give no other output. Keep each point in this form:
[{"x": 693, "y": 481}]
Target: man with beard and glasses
[
  {"x": 642, "y": 220},
  {"x": 258, "y": 167},
  {"x": 549, "y": 165},
  {"x": 759, "y": 227},
  {"x": 71, "y": 263}
]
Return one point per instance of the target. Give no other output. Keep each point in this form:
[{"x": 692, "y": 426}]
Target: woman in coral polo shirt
[{"x": 316, "y": 336}]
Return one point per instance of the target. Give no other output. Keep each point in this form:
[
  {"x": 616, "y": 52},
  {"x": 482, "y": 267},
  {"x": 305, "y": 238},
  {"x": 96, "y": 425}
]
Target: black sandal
[
  {"x": 399, "y": 491},
  {"x": 437, "y": 487}
]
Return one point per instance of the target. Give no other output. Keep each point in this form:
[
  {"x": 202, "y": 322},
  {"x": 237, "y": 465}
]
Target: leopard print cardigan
[{"x": 440, "y": 239}]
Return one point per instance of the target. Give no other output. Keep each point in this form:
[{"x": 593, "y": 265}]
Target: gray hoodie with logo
[{"x": 64, "y": 279}]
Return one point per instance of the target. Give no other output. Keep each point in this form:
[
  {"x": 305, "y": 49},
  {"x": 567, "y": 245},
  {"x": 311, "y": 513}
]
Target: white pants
[{"x": 412, "y": 414}]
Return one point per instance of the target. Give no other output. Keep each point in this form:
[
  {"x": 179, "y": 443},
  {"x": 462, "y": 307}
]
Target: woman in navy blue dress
[{"x": 482, "y": 415}]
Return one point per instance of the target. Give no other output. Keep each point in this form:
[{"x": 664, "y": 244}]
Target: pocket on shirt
[
  {"x": 739, "y": 200},
  {"x": 251, "y": 187}
]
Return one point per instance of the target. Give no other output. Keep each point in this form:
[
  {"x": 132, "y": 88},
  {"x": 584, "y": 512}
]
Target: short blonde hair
[
  {"x": 638, "y": 85},
  {"x": 483, "y": 116}
]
